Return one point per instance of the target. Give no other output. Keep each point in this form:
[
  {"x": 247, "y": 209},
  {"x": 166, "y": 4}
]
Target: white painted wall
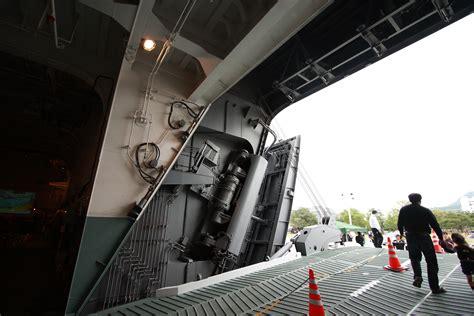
[{"x": 117, "y": 185}]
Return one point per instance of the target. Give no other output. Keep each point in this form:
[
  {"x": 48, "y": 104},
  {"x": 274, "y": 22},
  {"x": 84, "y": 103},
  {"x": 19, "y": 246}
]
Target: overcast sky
[{"x": 401, "y": 125}]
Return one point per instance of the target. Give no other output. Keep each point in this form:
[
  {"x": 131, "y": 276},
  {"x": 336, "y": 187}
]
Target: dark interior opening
[{"x": 52, "y": 126}]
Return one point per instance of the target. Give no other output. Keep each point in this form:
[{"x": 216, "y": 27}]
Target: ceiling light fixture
[{"x": 149, "y": 45}]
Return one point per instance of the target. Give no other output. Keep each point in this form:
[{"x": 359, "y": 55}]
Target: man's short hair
[
  {"x": 374, "y": 212},
  {"x": 414, "y": 197}
]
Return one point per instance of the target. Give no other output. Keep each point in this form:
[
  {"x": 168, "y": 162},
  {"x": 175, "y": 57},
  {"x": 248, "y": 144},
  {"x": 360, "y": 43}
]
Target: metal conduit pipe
[
  {"x": 167, "y": 46},
  {"x": 55, "y": 25},
  {"x": 255, "y": 122}
]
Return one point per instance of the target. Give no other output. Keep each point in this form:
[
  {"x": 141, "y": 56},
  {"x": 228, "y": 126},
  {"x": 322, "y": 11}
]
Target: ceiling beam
[{"x": 283, "y": 20}]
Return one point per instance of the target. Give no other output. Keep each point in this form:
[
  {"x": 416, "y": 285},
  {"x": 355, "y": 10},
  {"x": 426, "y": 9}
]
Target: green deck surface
[{"x": 352, "y": 281}]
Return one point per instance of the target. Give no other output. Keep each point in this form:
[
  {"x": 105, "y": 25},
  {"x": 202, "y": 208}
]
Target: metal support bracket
[
  {"x": 325, "y": 75},
  {"x": 377, "y": 46},
  {"x": 49, "y": 14},
  {"x": 444, "y": 8},
  {"x": 290, "y": 94}
]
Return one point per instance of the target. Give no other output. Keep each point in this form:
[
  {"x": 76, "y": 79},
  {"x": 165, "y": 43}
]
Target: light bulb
[{"x": 149, "y": 45}]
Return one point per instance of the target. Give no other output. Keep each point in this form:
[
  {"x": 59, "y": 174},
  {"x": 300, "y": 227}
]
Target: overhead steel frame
[{"x": 375, "y": 44}]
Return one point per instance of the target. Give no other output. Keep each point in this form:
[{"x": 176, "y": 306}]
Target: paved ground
[{"x": 352, "y": 281}]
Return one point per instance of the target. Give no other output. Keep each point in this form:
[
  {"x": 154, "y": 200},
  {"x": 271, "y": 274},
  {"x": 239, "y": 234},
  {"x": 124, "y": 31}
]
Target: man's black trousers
[
  {"x": 419, "y": 243},
  {"x": 378, "y": 238}
]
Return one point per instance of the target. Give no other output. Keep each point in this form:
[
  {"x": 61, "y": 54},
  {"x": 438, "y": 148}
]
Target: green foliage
[
  {"x": 450, "y": 220},
  {"x": 358, "y": 217},
  {"x": 455, "y": 220},
  {"x": 447, "y": 220},
  {"x": 302, "y": 217},
  {"x": 390, "y": 223}
]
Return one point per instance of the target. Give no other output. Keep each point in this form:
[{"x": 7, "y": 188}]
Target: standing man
[
  {"x": 417, "y": 221},
  {"x": 376, "y": 230}
]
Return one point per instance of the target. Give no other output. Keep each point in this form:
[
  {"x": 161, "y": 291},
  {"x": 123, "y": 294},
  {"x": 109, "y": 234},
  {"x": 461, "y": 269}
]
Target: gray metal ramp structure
[{"x": 352, "y": 281}]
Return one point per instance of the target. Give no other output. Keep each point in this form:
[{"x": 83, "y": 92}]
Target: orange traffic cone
[
  {"x": 315, "y": 305},
  {"x": 437, "y": 246},
  {"x": 393, "y": 262}
]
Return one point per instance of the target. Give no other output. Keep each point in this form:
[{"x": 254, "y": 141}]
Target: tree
[
  {"x": 390, "y": 223},
  {"x": 358, "y": 218},
  {"x": 454, "y": 220},
  {"x": 302, "y": 217},
  {"x": 446, "y": 219}
]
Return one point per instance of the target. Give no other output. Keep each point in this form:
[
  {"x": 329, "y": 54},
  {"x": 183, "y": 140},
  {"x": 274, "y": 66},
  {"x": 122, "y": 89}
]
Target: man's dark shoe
[
  {"x": 417, "y": 282},
  {"x": 438, "y": 291}
]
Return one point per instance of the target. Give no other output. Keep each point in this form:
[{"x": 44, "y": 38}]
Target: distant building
[{"x": 467, "y": 203}]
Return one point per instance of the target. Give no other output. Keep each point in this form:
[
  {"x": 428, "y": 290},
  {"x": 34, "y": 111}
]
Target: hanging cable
[
  {"x": 142, "y": 116},
  {"x": 181, "y": 123},
  {"x": 146, "y": 162}
]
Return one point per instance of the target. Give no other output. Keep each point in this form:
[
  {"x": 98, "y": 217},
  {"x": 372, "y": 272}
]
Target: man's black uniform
[{"x": 416, "y": 220}]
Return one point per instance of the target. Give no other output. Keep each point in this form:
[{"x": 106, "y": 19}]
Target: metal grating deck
[{"x": 351, "y": 281}]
